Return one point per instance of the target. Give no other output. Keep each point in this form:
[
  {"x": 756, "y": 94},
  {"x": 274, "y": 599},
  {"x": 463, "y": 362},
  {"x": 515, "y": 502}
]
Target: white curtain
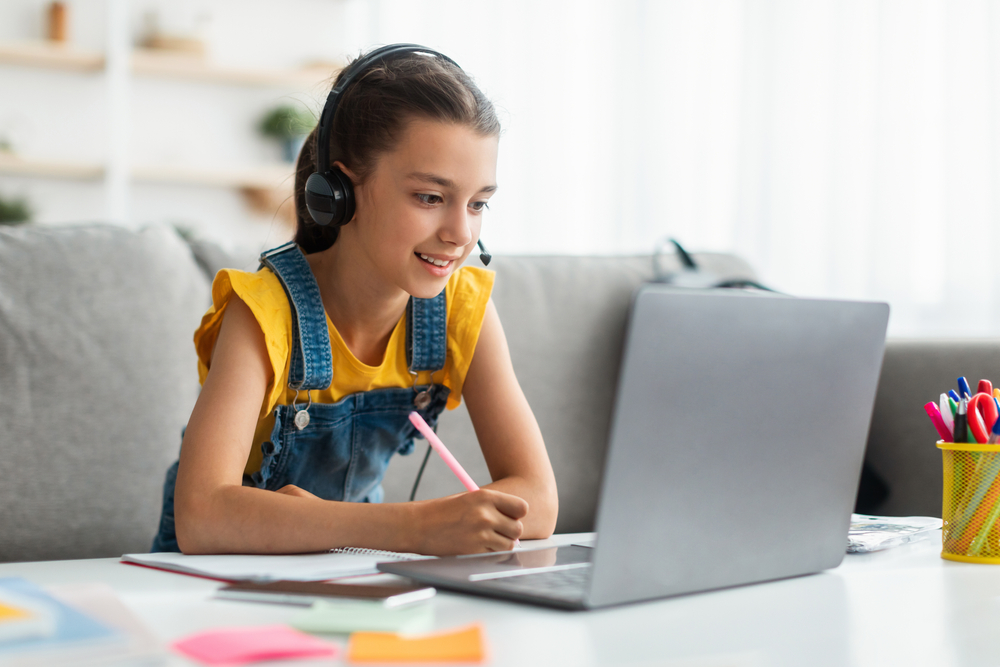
[{"x": 846, "y": 148}]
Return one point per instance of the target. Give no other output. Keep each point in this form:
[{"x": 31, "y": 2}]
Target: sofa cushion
[
  {"x": 565, "y": 319},
  {"x": 97, "y": 377}
]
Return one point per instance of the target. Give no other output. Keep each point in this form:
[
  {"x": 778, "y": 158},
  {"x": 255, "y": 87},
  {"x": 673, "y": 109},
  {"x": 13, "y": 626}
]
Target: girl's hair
[{"x": 371, "y": 115}]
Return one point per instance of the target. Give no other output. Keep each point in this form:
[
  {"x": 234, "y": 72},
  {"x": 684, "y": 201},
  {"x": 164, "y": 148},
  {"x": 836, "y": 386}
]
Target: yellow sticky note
[
  {"x": 9, "y": 613},
  {"x": 462, "y": 645}
]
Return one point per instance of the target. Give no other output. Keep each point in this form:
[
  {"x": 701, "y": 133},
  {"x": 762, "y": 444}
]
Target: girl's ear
[{"x": 350, "y": 174}]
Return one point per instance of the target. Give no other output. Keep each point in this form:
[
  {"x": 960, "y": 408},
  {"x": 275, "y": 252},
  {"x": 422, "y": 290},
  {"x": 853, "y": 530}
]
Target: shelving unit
[{"x": 119, "y": 66}]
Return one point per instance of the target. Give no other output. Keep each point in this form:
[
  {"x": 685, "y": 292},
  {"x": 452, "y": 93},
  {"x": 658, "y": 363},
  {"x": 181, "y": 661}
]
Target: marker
[
  {"x": 961, "y": 425},
  {"x": 963, "y": 388},
  {"x": 995, "y": 435},
  {"x": 947, "y": 414},
  {"x": 935, "y": 415},
  {"x": 996, "y": 392},
  {"x": 446, "y": 456},
  {"x": 985, "y": 387},
  {"x": 954, "y": 396},
  {"x": 953, "y": 405}
]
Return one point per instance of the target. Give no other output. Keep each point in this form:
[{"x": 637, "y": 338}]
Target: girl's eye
[
  {"x": 430, "y": 199},
  {"x": 479, "y": 206}
]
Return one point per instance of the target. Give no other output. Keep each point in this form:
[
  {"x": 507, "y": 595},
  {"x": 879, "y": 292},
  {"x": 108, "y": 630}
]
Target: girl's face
[{"x": 420, "y": 211}]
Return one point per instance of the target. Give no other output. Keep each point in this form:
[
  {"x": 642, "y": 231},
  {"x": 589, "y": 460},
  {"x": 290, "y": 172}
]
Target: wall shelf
[
  {"x": 52, "y": 55},
  {"x": 266, "y": 177},
  {"x": 158, "y": 63},
  {"x": 152, "y": 62},
  {"x": 16, "y": 166}
]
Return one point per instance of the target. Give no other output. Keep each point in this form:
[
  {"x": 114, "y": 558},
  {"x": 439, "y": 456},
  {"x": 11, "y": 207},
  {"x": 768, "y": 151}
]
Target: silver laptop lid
[{"x": 736, "y": 441}]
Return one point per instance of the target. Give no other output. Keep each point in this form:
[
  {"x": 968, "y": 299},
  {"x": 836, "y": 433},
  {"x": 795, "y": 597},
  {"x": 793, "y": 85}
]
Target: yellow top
[{"x": 468, "y": 290}]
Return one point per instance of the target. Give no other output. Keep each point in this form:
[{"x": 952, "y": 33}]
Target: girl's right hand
[{"x": 473, "y": 522}]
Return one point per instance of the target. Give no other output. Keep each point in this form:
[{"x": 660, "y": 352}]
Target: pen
[
  {"x": 446, "y": 456},
  {"x": 961, "y": 426},
  {"x": 935, "y": 415},
  {"x": 963, "y": 387},
  {"x": 947, "y": 414}
]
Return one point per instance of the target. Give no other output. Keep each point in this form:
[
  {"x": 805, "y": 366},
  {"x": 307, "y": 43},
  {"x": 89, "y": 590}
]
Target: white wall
[{"x": 847, "y": 148}]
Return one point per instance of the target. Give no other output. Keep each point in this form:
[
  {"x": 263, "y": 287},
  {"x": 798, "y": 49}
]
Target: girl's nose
[{"x": 457, "y": 229}]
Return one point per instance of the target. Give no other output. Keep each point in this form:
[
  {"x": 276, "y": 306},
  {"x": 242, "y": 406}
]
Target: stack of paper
[
  {"x": 874, "y": 533},
  {"x": 79, "y": 626}
]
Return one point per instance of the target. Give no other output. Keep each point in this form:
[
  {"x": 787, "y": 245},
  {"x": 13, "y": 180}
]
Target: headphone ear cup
[
  {"x": 330, "y": 198},
  {"x": 346, "y": 188}
]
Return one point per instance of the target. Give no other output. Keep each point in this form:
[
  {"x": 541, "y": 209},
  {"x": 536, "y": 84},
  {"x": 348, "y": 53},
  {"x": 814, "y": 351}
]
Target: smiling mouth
[{"x": 435, "y": 262}]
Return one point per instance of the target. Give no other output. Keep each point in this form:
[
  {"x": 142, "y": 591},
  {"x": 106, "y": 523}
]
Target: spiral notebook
[{"x": 345, "y": 562}]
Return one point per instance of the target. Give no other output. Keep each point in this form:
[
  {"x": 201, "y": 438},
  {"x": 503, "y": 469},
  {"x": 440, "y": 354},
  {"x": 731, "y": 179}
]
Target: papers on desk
[
  {"x": 874, "y": 533},
  {"x": 88, "y": 626},
  {"x": 297, "y": 567}
]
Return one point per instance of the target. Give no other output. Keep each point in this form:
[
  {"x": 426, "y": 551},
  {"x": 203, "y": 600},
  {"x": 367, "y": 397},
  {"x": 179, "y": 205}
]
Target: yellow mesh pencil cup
[{"x": 971, "y": 502}]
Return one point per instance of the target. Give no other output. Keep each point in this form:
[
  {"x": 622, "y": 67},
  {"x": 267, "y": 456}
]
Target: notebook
[
  {"x": 344, "y": 562},
  {"x": 735, "y": 448}
]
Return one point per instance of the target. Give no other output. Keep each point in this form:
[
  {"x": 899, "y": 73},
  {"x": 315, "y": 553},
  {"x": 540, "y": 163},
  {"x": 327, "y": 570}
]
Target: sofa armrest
[{"x": 901, "y": 439}]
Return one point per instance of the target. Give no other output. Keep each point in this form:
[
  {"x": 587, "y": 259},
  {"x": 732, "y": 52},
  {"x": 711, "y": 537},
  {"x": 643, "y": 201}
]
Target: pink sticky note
[{"x": 238, "y": 646}]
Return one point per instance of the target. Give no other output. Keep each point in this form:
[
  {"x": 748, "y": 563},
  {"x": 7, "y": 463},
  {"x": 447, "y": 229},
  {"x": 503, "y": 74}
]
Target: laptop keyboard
[{"x": 561, "y": 584}]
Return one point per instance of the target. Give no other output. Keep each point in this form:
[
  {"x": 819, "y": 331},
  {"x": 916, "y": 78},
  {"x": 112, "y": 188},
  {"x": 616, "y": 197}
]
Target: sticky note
[
  {"x": 368, "y": 616},
  {"x": 238, "y": 646},
  {"x": 462, "y": 645}
]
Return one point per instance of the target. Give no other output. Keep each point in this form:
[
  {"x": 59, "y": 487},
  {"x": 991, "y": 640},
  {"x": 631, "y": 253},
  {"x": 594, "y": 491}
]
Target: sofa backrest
[{"x": 97, "y": 377}]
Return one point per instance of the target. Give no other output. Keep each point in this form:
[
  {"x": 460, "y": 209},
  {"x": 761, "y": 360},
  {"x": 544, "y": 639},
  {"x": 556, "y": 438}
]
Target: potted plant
[
  {"x": 14, "y": 211},
  {"x": 289, "y": 125}
]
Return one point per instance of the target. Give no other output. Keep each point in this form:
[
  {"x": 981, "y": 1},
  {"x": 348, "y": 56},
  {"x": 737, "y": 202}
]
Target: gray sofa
[{"x": 97, "y": 377}]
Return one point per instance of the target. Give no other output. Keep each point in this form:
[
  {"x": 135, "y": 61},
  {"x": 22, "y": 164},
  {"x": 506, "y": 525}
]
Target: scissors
[{"x": 983, "y": 415}]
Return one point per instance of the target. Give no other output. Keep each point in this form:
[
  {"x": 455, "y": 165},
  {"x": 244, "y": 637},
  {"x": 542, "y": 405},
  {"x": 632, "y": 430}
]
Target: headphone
[{"x": 329, "y": 193}]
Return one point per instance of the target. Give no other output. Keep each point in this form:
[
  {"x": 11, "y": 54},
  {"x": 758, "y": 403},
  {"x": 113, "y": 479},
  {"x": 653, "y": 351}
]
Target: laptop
[{"x": 734, "y": 453}]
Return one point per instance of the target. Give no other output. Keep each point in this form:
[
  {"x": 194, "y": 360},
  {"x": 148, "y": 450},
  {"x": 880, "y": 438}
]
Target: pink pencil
[
  {"x": 446, "y": 456},
  {"x": 439, "y": 447}
]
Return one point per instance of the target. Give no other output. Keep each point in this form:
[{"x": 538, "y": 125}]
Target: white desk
[{"x": 904, "y": 606}]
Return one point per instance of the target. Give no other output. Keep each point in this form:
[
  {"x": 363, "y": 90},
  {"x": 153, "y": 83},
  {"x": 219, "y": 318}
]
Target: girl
[{"x": 311, "y": 366}]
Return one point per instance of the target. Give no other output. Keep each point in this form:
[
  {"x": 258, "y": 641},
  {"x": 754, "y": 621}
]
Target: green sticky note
[{"x": 355, "y": 616}]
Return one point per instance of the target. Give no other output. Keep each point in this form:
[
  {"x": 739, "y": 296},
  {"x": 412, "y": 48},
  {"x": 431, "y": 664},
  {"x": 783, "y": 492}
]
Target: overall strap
[
  {"x": 426, "y": 333},
  {"x": 311, "y": 365}
]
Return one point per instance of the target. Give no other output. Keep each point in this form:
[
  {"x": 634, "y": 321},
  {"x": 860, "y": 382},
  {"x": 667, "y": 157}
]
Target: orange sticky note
[{"x": 462, "y": 645}]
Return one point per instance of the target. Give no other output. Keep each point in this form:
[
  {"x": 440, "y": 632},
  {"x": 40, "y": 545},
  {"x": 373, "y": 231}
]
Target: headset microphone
[{"x": 484, "y": 254}]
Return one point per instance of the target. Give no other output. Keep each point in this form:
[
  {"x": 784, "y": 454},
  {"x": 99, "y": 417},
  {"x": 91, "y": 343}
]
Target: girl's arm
[
  {"x": 215, "y": 513},
  {"x": 507, "y": 431}
]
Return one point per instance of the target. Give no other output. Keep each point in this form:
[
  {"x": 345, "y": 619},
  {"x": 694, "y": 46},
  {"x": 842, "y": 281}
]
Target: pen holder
[{"x": 971, "y": 502}]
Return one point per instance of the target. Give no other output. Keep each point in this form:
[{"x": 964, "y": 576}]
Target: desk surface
[{"x": 900, "y": 606}]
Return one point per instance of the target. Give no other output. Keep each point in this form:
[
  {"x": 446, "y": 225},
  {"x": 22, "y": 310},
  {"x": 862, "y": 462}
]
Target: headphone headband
[
  {"x": 353, "y": 71},
  {"x": 329, "y": 194}
]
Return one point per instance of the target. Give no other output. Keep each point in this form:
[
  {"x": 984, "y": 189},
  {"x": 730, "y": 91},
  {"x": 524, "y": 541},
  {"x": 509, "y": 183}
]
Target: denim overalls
[{"x": 337, "y": 451}]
